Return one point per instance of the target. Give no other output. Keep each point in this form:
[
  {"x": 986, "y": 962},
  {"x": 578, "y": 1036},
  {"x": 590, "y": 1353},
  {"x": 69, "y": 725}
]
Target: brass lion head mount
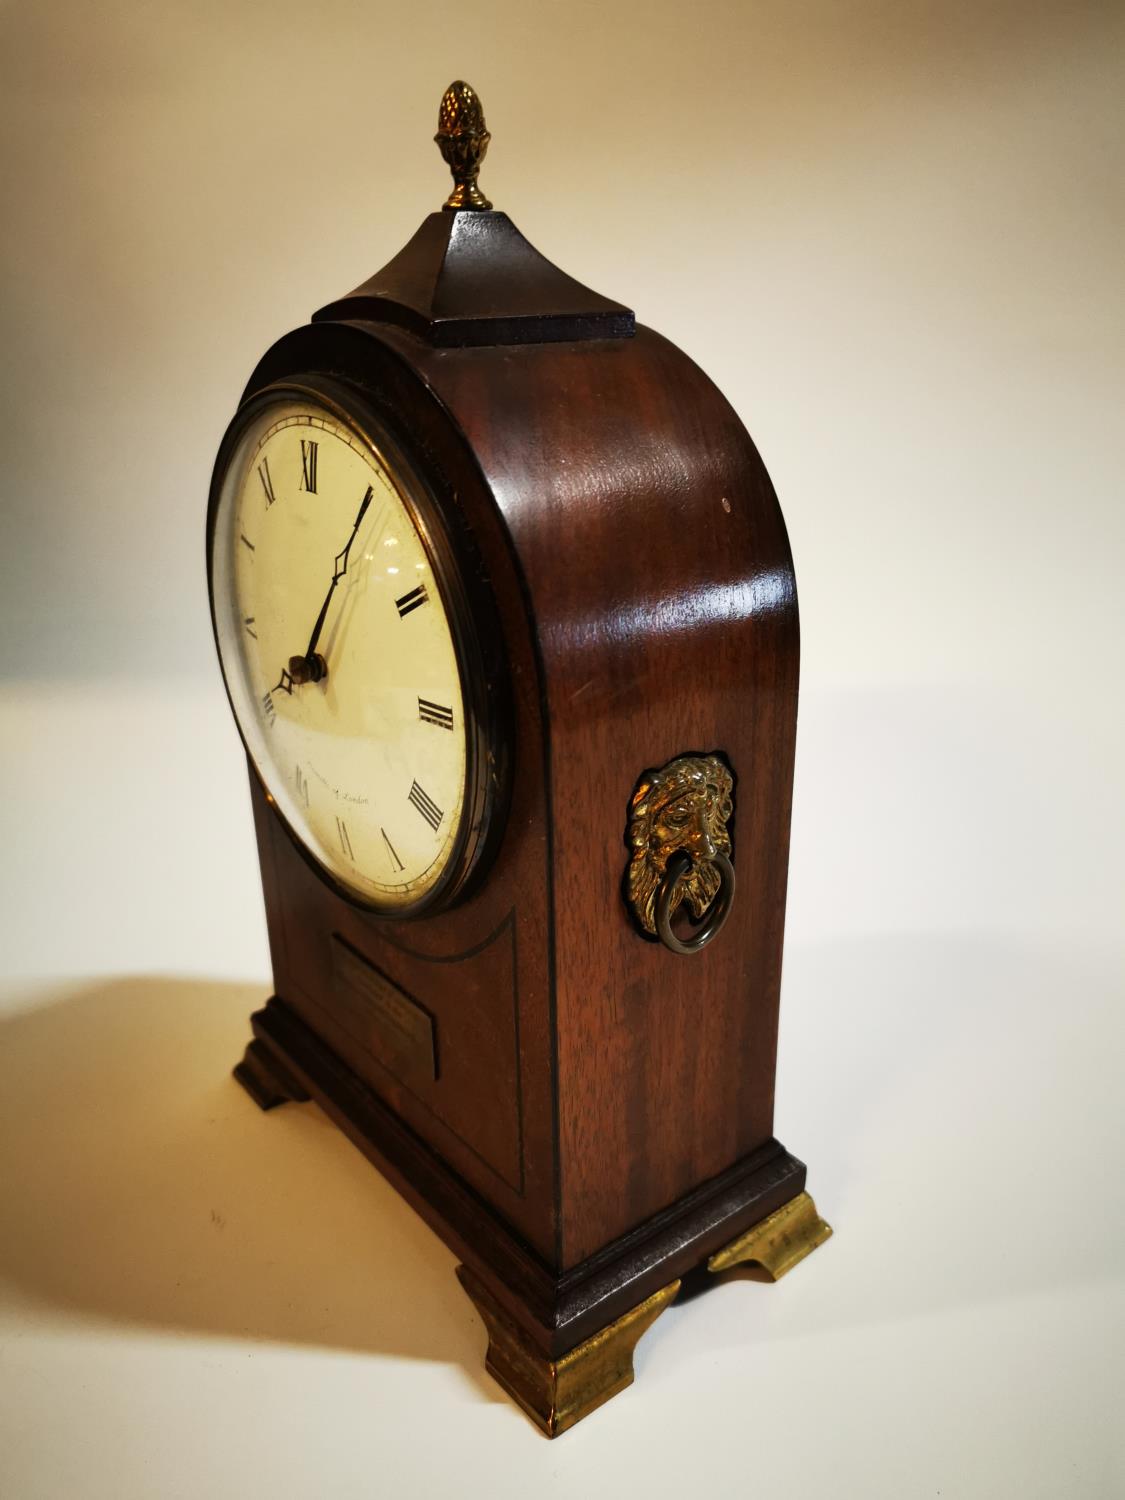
[{"x": 680, "y": 841}]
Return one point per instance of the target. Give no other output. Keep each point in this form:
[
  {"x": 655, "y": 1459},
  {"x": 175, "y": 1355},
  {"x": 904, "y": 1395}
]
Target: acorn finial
[{"x": 463, "y": 138}]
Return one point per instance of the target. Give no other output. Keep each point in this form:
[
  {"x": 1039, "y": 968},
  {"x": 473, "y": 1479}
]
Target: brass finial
[{"x": 463, "y": 138}]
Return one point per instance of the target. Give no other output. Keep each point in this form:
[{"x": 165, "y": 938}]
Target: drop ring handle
[{"x": 678, "y": 867}]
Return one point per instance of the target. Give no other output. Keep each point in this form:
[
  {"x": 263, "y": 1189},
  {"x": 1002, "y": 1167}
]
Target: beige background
[{"x": 893, "y": 234}]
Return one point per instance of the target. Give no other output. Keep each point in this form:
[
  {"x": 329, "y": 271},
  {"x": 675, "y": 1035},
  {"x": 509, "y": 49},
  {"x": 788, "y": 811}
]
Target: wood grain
[
  {"x": 593, "y": 1088},
  {"x": 667, "y": 622}
]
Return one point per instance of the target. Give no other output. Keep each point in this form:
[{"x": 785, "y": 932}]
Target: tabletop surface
[{"x": 201, "y": 1299}]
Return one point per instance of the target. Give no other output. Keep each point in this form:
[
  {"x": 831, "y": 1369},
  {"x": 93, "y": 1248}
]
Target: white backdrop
[{"x": 893, "y": 234}]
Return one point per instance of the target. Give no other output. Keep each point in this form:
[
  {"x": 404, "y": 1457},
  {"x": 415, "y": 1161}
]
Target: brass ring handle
[{"x": 678, "y": 867}]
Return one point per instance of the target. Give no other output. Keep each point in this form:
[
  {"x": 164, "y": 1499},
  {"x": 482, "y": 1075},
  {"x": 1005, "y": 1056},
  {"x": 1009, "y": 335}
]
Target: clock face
[{"x": 337, "y": 646}]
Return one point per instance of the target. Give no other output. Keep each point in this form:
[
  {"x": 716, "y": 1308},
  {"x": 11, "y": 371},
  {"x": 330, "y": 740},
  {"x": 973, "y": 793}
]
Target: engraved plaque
[{"x": 401, "y": 1033}]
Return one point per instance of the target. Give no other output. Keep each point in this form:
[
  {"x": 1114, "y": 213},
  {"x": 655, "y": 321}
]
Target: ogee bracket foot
[
  {"x": 778, "y": 1242},
  {"x": 556, "y": 1393},
  {"x": 266, "y": 1078}
]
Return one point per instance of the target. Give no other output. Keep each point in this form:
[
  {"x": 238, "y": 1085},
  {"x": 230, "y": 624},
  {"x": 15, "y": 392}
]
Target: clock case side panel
[
  {"x": 483, "y": 1132},
  {"x": 662, "y": 586}
]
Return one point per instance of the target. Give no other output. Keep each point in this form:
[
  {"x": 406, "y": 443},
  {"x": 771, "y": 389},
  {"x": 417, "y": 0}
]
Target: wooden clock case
[{"x": 591, "y": 1116}]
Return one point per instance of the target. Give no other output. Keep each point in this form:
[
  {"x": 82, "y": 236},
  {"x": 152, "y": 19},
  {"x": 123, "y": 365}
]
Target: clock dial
[{"x": 338, "y": 649}]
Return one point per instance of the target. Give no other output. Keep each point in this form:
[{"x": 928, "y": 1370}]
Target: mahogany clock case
[{"x": 582, "y": 1115}]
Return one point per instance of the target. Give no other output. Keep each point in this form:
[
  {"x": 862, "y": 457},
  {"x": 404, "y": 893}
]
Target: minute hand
[{"x": 340, "y": 569}]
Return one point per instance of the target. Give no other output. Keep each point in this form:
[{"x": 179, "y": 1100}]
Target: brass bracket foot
[
  {"x": 556, "y": 1393},
  {"x": 778, "y": 1242},
  {"x": 266, "y": 1078}
]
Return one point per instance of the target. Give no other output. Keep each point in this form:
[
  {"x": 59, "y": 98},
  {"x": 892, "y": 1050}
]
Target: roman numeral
[
  {"x": 267, "y": 482},
  {"x": 391, "y": 850},
  {"x": 302, "y": 782},
  {"x": 345, "y": 842},
  {"x": 268, "y": 708},
  {"x": 413, "y": 600},
  {"x": 249, "y": 623},
  {"x": 433, "y": 713},
  {"x": 426, "y": 806},
  {"x": 247, "y": 540},
  {"x": 308, "y": 466}
]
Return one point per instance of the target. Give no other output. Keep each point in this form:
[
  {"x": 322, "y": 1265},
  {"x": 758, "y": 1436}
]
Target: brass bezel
[{"x": 486, "y": 757}]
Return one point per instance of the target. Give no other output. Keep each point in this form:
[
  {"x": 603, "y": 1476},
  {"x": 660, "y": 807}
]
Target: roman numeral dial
[
  {"x": 267, "y": 482},
  {"x": 423, "y": 803},
  {"x": 338, "y": 650},
  {"x": 434, "y": 713},
  {"x": 396, "y": 863},
  {"x": 309, "y": 449},
  {"x": 412, "y": 601}
]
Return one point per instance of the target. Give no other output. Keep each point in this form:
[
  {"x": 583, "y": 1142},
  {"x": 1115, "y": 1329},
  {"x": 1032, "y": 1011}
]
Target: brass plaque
[{"x": 401, "y": 1032}]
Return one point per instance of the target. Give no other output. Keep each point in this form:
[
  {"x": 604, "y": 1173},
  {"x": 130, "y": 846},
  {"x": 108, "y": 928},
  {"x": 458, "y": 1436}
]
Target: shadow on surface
[
  {"x": 141, "y": 1184},
  {"x": 955, "y": 1098}
]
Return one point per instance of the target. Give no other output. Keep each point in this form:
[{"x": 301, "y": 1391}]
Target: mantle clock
[{"x": 506, "y": 615}]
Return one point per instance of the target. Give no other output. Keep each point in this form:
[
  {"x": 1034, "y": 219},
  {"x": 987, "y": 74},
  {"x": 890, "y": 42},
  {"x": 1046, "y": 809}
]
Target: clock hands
[{"x": 311, "y": 667}]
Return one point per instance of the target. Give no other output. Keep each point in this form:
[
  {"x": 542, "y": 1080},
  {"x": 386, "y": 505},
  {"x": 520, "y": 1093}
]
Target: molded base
[{"x": 561, "y": 1343}]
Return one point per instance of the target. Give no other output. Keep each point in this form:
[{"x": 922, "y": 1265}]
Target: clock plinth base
[
  {"x": 560, "y": 1342},
  {"x": 779, "y": 1242},
  {"x": 266, "y": 1078},
  {"x": 557, "y": 1393}
]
